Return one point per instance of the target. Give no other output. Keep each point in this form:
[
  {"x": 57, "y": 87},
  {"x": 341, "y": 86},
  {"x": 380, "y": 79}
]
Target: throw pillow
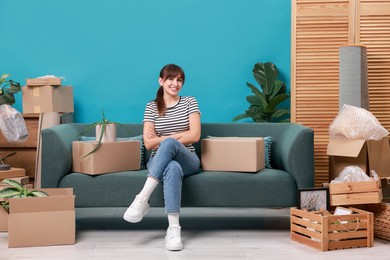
[
  {"x": 138, "y": 138},
  {"x": 267, "y": 150}
]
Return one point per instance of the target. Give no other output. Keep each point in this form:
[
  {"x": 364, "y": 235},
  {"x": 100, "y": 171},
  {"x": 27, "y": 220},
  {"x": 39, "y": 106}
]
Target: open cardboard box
[
  {"x": 240, "y": 154},
  {"x": 367, "y": 154},
  {"x": 42, "y": 221}
]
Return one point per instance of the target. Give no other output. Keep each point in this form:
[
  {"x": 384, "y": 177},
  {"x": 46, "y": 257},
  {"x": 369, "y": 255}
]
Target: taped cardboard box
[
  {"x": 43, "y": 82},
  {"x": 110, "y": 157},
  {"x": 367, "y": 154},
  {"x": 47, "y": 99},
  {"x": 12, "y": 173},
  {"x": 236, "y": 154},
  {"x": 42, "y": 221}
]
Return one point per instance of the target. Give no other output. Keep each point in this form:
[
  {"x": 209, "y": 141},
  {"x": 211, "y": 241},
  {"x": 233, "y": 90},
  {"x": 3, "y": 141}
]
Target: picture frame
[{"x": 314, "y": 199}]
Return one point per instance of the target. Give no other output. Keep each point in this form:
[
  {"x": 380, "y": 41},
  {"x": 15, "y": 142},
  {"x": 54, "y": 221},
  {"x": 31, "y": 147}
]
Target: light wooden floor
[{"x": 206, "y": 233}]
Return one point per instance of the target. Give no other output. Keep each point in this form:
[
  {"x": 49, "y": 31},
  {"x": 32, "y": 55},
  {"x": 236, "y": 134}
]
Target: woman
[{"x": 171, "y": 126}]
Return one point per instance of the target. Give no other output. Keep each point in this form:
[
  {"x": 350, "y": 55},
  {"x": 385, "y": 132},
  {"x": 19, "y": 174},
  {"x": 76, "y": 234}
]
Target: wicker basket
[{"x": 381, "y": 220}]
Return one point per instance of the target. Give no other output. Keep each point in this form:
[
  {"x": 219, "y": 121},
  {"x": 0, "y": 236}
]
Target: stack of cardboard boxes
[
  {"x": 43, "y": 95},
  {"x": 40, "y": 221}
]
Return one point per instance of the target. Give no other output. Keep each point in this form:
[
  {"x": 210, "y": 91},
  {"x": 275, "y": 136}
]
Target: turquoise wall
[{"x": 111, "y": 51}]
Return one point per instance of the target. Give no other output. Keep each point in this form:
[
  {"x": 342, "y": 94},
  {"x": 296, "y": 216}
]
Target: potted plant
[
  {"x": 8, "y": 89},
  {"x": 17, "y": 190},
  {"x": 105, "y": 132},
  {"x": 264, "y": 102},
  {"x": 3, "y": 166}
]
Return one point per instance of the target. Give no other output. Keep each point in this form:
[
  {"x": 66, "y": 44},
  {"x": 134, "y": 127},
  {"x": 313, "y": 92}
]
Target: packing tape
[
  {"x": 37, "y": 109},
  {"x": 36, "y": 92}
]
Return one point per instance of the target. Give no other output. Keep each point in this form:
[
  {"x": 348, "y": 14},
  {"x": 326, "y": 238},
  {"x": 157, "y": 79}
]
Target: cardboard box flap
[
  {"x": 345, "y": 147},
  {"x": 41, "y": 204},
  {"x": 379, "y": 157}
]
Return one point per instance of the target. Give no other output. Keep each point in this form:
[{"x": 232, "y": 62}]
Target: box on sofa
[
  {"x": 237, "y": 154},
  {"x": 110, "y": 157}
]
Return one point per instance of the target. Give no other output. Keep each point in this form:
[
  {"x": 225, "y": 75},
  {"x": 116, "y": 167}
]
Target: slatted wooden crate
[
  {"x": 352, "y": 193},
  {"x": 329, "y": 232}
]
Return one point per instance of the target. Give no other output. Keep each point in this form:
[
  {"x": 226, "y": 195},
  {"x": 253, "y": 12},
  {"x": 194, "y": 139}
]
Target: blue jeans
[{"x": 169, "y": 165}]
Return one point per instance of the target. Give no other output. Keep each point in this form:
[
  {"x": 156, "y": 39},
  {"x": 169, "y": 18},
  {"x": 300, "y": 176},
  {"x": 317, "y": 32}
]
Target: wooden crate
[
  {"x": 352, "y": 193},
  {"x": 330, "y": 232}
]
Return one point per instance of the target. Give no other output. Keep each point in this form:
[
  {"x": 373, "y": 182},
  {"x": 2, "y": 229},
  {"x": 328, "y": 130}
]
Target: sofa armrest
[
  {"x": 296, "y": 154},
  {"x": 57, "y": 153}
]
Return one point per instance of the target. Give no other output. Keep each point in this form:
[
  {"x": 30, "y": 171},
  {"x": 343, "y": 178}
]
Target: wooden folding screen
[{"x": 318, "y": 29}]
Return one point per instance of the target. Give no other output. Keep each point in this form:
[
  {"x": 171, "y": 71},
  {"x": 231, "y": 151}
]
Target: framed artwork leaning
[{"x": 314, "y": 199}]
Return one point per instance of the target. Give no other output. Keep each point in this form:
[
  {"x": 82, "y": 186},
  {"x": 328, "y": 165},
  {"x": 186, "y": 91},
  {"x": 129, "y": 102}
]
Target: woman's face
[{"x": 171, "y": 85}]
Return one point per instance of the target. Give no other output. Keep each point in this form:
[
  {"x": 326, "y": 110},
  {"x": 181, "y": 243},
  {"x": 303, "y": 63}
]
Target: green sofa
[{"x": 292, "y": 160}]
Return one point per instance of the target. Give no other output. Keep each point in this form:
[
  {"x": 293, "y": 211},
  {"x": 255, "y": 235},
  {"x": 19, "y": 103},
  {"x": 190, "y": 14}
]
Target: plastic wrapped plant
[{"x": 8, "y": 89}]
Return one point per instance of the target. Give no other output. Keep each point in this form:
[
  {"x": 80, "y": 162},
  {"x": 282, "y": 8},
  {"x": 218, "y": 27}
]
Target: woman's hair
[{"x": 170, "y": 70}]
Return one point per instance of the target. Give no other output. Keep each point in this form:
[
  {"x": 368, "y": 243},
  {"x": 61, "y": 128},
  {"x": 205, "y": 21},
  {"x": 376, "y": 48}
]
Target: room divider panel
[{"x": 318, "y": 29}]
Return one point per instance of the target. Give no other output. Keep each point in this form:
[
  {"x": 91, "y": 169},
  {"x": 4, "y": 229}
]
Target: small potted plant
[
  {"x": 17, "y": 190},
  {"x": 105, "y": 132},
  {"x": 264, "y": 102},
  {"x": 8, "y": 89}
]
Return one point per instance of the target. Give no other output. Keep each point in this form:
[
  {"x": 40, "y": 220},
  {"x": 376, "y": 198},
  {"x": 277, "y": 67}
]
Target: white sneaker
[
  {"x": 173, "y": 238},
  {"x": 137, "y": 210}
]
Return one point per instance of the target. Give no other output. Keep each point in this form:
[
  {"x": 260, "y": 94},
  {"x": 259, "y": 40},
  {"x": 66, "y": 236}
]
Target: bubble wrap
[{"x": 356, "y": 123}]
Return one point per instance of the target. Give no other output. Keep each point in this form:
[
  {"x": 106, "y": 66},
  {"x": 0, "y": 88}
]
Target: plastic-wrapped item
[
  {"x": 12, "y": 124},
  {"x": 351, "y": 174},
  {"x": 356, "y": 123}
]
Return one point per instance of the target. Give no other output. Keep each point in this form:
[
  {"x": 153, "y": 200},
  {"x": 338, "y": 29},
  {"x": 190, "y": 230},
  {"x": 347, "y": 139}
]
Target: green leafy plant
[
  {"x": 104, "y": 122},
  {"x": 8, "y": 89},
  {"x": 264, "y": 102},
  {"x": 17, "y": 190}
]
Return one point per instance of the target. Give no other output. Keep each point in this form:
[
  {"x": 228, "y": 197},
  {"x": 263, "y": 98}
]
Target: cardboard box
[
  {"x": 329, "y": 232},
  {"x": 110, "y": 157},
  {"x": 43, "y": 82},
  {"x": 42, "y": 221},
  {"x": 236, "y": 154},
  {"x": 22, "y": 180},
  {"x": 47, "y": 99},
  {"x": 368, "y": 155},
  {"x": 28, "y": 186},
  {"x": 11, "y": 173},
  {"x": 352, "y": 193},
  {"x": 3, "y": 219}
]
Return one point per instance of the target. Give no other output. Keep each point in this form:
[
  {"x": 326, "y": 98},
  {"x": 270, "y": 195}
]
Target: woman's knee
[{"x": 173, "y": 169}]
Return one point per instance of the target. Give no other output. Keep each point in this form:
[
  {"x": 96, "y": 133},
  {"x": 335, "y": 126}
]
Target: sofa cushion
[{"x": 267, "y": 188}]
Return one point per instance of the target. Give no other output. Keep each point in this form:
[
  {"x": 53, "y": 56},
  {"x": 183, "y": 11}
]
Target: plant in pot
[
  {"x": 8, "y": 89},
  {"x": 105, "y": 132},
  {"x": 16, "y": 190},
  {"x": 3, "y": 166},
  {"x": 264, "y": 102}
]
